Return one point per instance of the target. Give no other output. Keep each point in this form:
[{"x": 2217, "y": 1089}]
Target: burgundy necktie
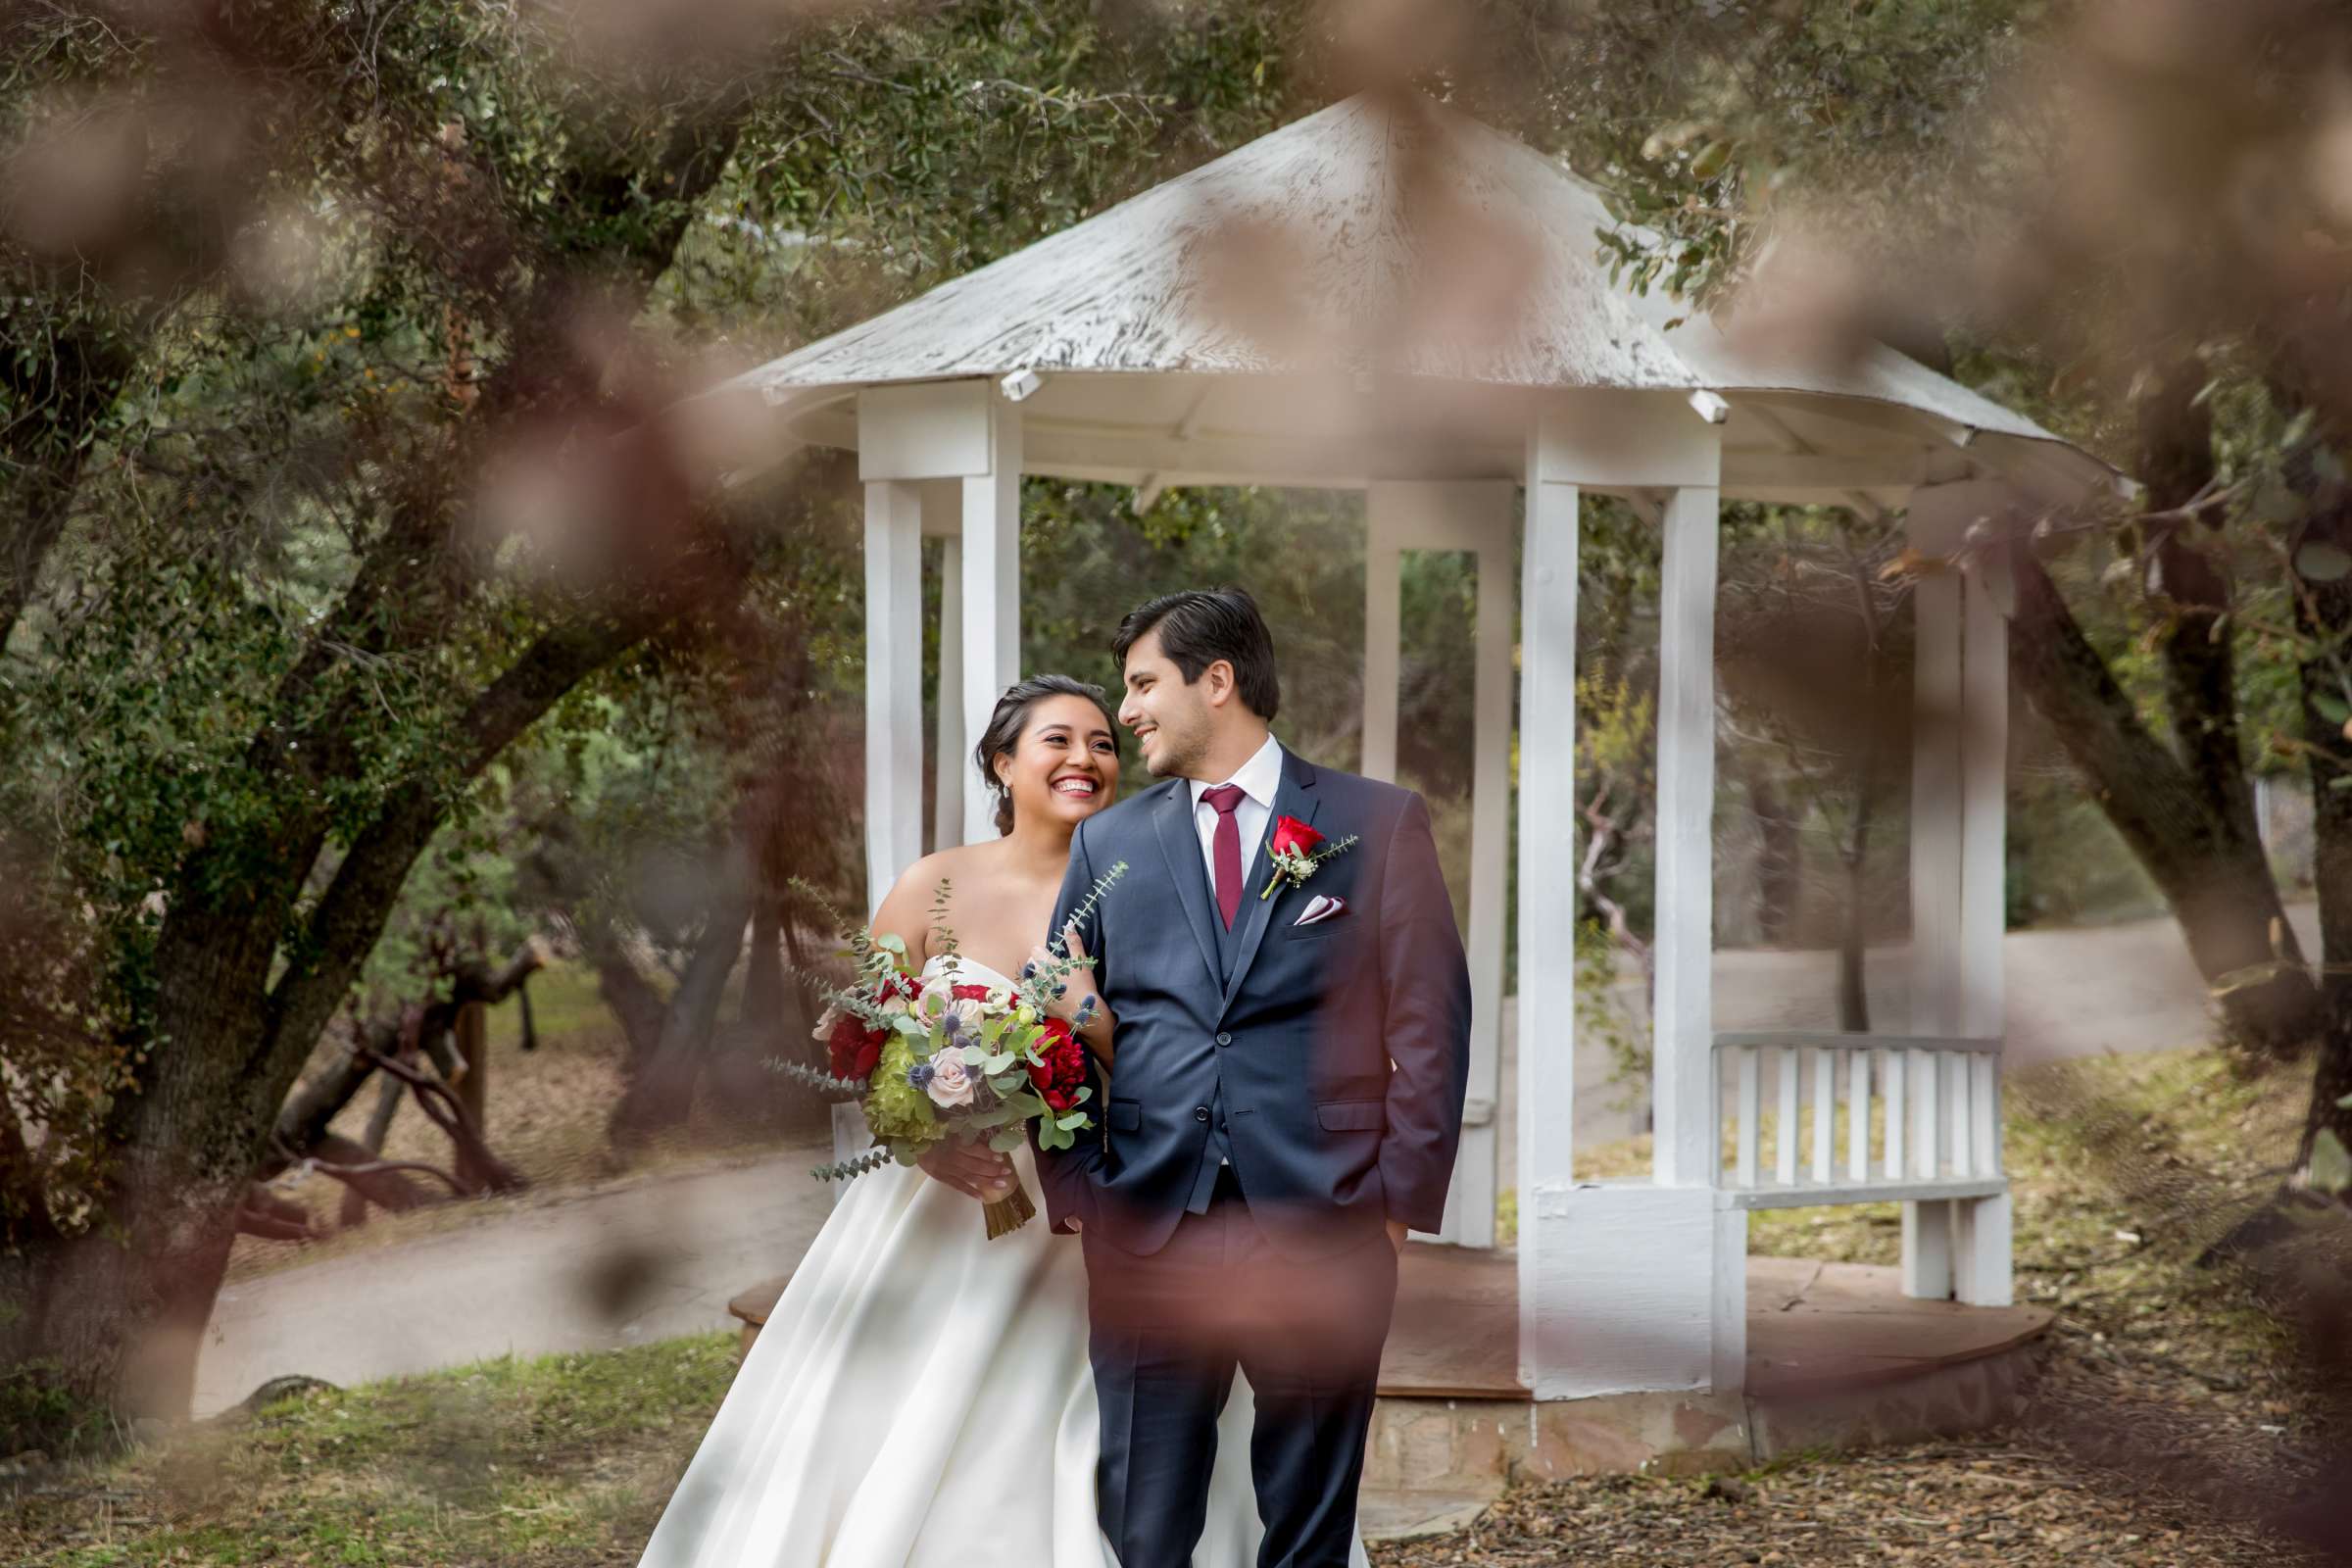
[{"x": 1225, "y": 849}]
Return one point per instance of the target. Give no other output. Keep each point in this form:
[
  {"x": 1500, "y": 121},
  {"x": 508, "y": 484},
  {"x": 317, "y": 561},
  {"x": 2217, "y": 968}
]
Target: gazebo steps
[{"x": 1837, "y": 1357}]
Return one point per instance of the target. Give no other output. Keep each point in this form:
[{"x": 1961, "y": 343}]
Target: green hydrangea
[{"x": 895, "y": 1108}]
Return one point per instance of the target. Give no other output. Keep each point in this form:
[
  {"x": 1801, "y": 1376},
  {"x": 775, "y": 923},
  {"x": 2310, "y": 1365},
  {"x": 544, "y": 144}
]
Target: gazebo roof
[{"x": 1149, "y": 372}]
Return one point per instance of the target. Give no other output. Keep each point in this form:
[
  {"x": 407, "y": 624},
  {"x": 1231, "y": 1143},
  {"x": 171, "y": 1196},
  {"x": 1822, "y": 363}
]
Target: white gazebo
[{"x": 1127, "y": 349}]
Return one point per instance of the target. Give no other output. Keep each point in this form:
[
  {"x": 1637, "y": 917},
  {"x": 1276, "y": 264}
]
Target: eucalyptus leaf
[
  {"x": 2331, "y": 1165},
  {"x": 2322, "y": 560}
]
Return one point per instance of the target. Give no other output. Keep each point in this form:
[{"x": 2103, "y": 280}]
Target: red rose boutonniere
[{"x": 1295, "y": 851}]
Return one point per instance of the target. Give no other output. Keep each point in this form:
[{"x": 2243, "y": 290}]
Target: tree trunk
[
  {"x": 1777, "y": 861},
  {"x": 2323, "y": 612},
  {"x": 763, "y": 990},
  {"x": 2209, "y": 867},
  {"x": 662, "y": 1092}
]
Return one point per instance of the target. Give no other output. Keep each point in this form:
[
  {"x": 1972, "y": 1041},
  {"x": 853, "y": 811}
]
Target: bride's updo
[{"x": 1012, "y": 718}]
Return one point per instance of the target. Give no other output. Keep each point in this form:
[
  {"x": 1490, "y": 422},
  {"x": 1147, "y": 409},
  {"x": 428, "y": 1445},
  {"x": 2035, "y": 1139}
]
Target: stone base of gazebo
[{"x": 1837, "y": 1357}]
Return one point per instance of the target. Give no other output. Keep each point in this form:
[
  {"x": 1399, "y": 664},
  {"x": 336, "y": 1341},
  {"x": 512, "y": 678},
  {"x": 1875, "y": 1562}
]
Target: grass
[{"x": 560, "y": 1459}]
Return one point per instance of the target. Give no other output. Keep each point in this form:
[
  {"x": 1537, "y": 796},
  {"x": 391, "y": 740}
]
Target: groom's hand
[{"x": 1397, "y": 1229}]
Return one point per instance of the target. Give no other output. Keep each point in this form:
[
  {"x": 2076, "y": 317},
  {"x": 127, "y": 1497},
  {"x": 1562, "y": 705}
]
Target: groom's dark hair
[{"x": 1202, "y": 625}]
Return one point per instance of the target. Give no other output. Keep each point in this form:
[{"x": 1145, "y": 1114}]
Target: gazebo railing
[{"x": 1856, "y": 1118}]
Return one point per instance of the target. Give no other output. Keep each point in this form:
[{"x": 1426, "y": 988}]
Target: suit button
[
  {"x": 1224, "y": 1039},
  {"x": 1200, "y": 1113}
]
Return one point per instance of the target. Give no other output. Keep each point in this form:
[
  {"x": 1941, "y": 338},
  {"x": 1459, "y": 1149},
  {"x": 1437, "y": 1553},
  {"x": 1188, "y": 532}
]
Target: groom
[{"x": 1285, "y": 1096}]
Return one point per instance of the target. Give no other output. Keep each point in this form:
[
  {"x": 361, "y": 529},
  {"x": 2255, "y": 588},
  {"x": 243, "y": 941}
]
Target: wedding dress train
[{"x": 920, "y": 1397}]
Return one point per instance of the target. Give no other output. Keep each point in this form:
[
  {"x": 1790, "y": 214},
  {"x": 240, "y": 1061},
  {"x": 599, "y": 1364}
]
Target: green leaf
[
  {"x": 1005, "y": 1142},
  {"x": 2332, "y": 708},
  {"x": 1712, "y": 160},
  {"x": 892, "y": 942},
  {"x": 2319, "y": 561},
  {"x": 2331, "y": 1165},
  {"x": 1077, "y": 1119}
]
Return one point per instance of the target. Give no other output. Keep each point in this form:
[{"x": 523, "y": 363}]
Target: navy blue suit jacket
[{"x": 1340, "y": 1051}]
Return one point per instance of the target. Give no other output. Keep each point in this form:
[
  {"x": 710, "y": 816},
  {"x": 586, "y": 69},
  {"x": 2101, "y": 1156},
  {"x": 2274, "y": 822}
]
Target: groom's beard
[{"x": 1176, "y": 758}]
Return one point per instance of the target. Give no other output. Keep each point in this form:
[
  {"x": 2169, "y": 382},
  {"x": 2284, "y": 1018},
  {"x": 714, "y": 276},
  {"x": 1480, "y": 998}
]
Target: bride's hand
[
  {"x": 1076, "y": 988},
  {"x": 975, "y": 1170}
]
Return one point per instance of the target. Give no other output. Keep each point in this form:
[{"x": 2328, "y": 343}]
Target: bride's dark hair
[{"x": 1012, "y": 718}]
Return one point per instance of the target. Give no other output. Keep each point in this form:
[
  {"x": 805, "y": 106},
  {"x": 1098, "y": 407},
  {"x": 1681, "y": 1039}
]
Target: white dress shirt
[{"x": 1260, "y": 777}]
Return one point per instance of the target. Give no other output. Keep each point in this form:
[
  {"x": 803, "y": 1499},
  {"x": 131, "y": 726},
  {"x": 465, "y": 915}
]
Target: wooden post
[
  {"x": 952, "y": 772},
  {"x": 894, "y": 684},
  {"x": 1383, "y": 627},
  {"x": 1982, "y": 1236},
  {"x": 1685, "y": 1151},
  {"x": 1475, "y": 1176},
  {"x": 1934, "y": 902},
  {"x": 1474, "y": 516},
  {"x": 1549, "y": 1264},
  {"x": 1622, "y": 1285},
  {"x": 991, "y": 585}
]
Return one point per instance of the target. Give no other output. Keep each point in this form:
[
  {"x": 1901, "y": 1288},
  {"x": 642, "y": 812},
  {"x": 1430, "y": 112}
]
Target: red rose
[
  {"x": 852, "y": 1050},
  {"x": 1290, "y": 834},
  {"x": 1061, "y": 1069},
  {"x": 972, "y": 993}
]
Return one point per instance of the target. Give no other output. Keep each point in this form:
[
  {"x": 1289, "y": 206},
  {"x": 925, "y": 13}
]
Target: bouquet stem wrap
[{"x": 1011, "y": 1213}]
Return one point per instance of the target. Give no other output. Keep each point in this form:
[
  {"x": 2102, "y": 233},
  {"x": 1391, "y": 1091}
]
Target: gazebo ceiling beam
[{"x": 1797, "y": 445}]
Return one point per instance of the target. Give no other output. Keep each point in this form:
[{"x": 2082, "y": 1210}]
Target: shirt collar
[{"x": 1260, "y": 777}]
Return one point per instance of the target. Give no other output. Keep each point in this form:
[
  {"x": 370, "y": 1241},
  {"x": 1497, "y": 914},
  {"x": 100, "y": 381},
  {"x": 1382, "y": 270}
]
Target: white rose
[
  {"x": 937, "y": 991},
  {"x": 950, "y": 1083},
  {"x": 966, "y": 1013}
]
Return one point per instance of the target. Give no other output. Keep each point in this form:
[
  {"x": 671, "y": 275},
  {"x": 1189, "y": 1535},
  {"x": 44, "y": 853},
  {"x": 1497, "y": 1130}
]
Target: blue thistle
[{"x": 920, "y": 1074}]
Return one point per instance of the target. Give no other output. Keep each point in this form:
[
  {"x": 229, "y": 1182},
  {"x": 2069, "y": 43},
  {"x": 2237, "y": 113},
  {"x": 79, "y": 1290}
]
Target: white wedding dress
[{"x": 920, "y": 1397}]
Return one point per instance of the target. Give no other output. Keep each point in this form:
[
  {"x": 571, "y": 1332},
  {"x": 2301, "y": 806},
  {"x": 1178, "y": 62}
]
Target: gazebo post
[
  {"x": 1685, "y": 1150},
  {"x": 943, "y": 519},
  {"x": 966, "y": 433},
  {"x": 1982, "y": 1244},
  {"x": 1623, "y": 1285},
  {"x": 894, "y": 682},
  {"x": 1549, "y": 1363},
  {"x": 991, "y": 573},
  {"x": 1957, "y": 1247},
  {"x": 1475, "y": 516}
]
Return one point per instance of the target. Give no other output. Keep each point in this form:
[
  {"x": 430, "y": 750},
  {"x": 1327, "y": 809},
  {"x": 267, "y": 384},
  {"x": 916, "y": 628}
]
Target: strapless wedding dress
[{"x": 920, "y": 1397}]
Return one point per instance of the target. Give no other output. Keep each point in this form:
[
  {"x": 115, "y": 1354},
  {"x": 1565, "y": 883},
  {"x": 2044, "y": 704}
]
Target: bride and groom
[{"x": 1281, "y": 1066}]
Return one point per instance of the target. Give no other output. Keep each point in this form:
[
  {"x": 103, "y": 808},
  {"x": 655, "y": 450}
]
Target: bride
[{"x": 921, "y": 1395}]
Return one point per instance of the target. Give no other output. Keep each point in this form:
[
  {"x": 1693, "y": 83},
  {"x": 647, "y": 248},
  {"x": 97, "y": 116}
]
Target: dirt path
[{"x": 620, "y": 1264}]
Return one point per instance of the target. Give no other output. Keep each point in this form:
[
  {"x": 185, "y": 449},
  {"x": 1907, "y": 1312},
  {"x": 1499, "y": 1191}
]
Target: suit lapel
[
  {"x": 1298, "y": 796},
  {"x": 1180, "y": 842}
]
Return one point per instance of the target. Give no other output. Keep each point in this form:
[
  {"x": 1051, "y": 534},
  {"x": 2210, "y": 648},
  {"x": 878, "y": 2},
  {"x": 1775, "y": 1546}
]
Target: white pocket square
[{"x": 1320, "y": 908}]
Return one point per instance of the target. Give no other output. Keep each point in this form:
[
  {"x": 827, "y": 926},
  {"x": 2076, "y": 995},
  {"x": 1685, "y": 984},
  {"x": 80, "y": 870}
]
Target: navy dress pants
[{"x": 1168, "y": 1330}]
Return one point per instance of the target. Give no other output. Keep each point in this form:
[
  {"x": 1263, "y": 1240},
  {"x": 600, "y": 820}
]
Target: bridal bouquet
[{"x": 930, "y": 1058}]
